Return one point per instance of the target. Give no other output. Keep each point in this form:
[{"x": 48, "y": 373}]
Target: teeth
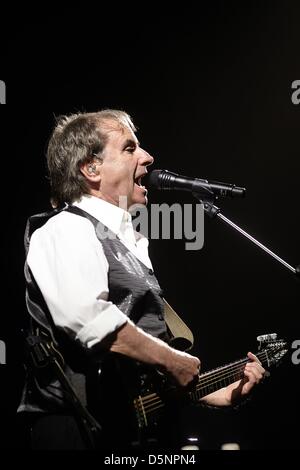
[{"x": 138, "y": 181}]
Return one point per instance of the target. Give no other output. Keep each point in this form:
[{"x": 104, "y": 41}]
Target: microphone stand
[{"x": 207, "y": 198}]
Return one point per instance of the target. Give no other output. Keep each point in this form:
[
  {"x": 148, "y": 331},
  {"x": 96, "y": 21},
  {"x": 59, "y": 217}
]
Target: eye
[{"x": 130, "y": 149}]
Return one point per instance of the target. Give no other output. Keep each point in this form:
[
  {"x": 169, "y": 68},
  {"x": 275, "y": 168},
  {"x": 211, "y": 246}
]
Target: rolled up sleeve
[
  {"x": 71, "y": 270},
  {"x": 106, "y": 322}
]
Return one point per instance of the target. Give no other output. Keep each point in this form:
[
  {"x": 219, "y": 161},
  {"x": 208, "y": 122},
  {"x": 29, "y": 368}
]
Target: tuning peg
[{"x": 266, "y": 338}]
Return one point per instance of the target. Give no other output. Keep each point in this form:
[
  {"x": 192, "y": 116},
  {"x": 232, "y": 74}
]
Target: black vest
[{"x": 133, "y": 288}]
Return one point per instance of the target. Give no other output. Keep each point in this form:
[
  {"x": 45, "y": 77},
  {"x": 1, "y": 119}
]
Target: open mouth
[{"x": 138, "y": 182}]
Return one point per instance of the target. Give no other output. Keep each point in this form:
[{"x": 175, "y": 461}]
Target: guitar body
[{"x": 121, "y": 382}]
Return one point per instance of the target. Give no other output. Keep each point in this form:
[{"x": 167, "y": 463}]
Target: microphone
[{"x": 164, "y": 179}]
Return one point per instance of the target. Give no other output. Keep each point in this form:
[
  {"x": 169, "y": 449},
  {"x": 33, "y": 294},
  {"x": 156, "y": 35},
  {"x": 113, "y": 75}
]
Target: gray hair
[{"x": 76, "y": 140}]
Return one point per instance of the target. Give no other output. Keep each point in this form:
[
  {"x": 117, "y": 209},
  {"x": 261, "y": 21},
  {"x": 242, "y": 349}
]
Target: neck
[{"x": 121, "y": 202}]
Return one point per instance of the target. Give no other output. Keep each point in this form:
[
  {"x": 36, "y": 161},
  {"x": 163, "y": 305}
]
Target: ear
[{"x": 91, "y": 171}]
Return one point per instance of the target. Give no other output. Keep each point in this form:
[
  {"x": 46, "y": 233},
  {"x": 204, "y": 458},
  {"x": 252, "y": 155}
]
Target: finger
[
  {"x": 251, "y": 382},
  {"x": 253, "y": 357},
  {"x": 248, "y": 383},
  {"x": 253, "y": 374},
  {"x": 253, "y": 370},
  {"x": 256, "y": 366},
  {"x": 249, "y": 374}
]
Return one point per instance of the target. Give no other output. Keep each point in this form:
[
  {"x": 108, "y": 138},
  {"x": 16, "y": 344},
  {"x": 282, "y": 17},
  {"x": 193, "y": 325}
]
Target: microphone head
[
  {"x": 154, "y": 179},
  {"x": 238, "y": 192}
]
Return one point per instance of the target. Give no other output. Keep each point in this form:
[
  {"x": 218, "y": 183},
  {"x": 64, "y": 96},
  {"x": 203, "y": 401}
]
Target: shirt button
[{"x": 151, "y": 271}]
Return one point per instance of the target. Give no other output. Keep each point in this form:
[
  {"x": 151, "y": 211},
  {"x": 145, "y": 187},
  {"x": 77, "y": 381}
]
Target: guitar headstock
[{"x": 271, "y": 350}]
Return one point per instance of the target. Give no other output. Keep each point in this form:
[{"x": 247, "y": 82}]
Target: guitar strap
[
  {"x": 182, "y": 337},
  {"x": 41, "y": 354}
]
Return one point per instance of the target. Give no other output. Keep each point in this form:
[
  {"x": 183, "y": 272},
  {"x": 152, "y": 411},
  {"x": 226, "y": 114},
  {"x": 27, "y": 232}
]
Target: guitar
[
  {"x": 149, "y": 402},
  {"x": 134, "y": 403}
]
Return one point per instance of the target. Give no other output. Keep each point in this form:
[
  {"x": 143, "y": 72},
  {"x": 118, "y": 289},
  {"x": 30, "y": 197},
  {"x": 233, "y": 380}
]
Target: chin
[{"x": 141, "y": 200}]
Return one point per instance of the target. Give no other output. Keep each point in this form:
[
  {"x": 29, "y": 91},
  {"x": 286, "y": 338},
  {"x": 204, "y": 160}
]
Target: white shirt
[{"x": 69, "y": 265}]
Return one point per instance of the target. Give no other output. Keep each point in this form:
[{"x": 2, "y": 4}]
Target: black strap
[{"x": 42, "y": 354}]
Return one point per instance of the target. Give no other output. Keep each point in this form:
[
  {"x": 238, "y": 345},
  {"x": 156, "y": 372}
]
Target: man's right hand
[{"x": 183, "y": 367}]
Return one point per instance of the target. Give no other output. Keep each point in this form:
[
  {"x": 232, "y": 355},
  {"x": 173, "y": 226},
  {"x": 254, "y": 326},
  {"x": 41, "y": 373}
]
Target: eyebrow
[{"x": 131, "y": 142}]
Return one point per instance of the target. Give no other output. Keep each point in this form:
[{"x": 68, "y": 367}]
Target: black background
[{"x": 211, "y": 94}]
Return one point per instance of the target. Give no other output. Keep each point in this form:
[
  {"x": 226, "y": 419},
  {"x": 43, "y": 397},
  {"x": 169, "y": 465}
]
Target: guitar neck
[{"x": 216, "y": 379}]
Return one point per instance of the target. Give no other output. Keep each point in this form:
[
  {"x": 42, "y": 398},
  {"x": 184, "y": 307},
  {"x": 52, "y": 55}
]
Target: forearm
[
  {"x": 218, "y": 398},
  {"x": 135, "y": 343},
  {"x": 226, "y": 396}
]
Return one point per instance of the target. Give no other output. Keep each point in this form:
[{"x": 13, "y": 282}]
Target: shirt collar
[{"x": 110, "y": 215}]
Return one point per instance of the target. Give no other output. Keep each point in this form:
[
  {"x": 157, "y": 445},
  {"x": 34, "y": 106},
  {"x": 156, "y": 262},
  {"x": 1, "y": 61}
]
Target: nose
[{"x": 146, "y": 159}]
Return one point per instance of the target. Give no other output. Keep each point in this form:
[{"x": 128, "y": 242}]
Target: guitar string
[
  {"x": 150, "y": 403},
  {"x": 159, "y": 405},
  {"x": 218, "y": 374}
]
